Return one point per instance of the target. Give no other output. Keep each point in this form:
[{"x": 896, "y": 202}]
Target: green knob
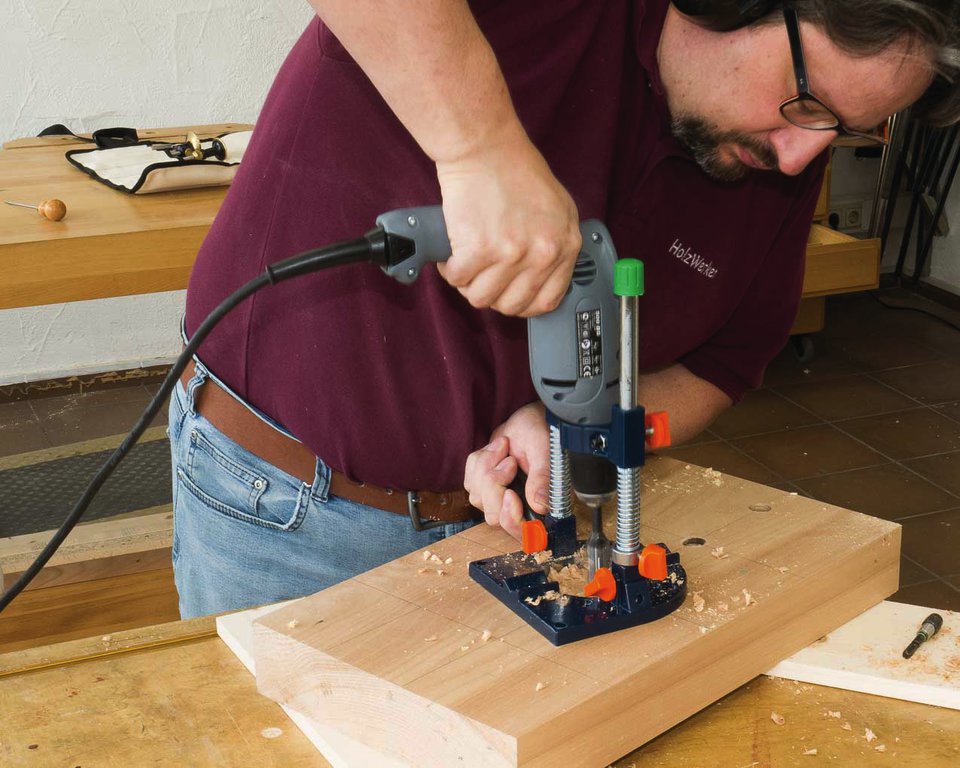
[{"x": 628, "y": 278}]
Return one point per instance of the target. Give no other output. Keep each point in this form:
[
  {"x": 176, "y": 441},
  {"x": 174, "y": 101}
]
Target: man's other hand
[{"x": 521, "y": 441}]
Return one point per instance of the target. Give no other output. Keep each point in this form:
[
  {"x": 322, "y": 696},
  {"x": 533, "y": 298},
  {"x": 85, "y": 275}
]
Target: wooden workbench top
[
  {"x": 110, "y": 243},
  {"x": 174, "y": 695}
]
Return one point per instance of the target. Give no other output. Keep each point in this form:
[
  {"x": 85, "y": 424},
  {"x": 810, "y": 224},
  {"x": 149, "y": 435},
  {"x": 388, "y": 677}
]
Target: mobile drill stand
[{"x": 597, "y": 443}]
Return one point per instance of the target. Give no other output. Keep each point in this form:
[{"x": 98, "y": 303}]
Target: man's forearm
[
  {"x": 691, "y": 402},
  {"x": 434, "y": 68}
]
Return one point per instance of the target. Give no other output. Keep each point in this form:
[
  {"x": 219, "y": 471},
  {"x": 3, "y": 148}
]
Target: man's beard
[{"x": 703, "y": 140}]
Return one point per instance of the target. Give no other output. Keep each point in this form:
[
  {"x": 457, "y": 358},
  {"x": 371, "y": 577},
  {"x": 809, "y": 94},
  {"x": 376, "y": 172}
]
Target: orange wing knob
[
  {"x": 604, "y": 585},
  {"x": 658, "y": 429},
  {"x": 653, "y": 562},
  {"x": 533, "y": 536}
]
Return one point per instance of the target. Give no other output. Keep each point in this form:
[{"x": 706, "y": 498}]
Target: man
[{"x": 325, "y": 405}]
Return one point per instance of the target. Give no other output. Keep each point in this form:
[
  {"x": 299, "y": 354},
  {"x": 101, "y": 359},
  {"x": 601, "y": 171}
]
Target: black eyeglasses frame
[{"x": 804, "y": 94}]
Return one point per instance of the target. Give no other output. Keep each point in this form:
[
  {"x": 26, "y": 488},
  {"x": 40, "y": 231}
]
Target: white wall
[
  {"x": 945, "y": 259},
  {"x": 102, "y": 63}
]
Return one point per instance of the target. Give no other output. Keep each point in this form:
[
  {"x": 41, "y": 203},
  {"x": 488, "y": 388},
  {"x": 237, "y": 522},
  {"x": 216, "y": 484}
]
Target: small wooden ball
[{"x": 52, "y": 209}]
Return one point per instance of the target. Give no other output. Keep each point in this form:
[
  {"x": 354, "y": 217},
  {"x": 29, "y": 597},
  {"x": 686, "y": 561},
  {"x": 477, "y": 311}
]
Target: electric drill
[{"x": 584, "y": 365}]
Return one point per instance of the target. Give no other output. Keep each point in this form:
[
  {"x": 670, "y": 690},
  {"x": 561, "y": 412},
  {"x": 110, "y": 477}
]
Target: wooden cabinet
[{"x": 836, "y": 263}]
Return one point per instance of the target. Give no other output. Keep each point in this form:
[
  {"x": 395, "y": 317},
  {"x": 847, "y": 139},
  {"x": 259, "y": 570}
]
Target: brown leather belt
[{"x": 427, "y": 509}]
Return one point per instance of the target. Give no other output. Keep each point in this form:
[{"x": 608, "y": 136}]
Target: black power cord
[{"x": 377, "y": 246}]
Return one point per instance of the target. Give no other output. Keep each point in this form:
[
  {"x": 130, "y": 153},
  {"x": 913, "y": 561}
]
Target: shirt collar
[{"x": 648, "y": 24}]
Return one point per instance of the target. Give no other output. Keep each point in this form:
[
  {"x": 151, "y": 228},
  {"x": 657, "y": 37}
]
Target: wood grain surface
[{"x": 397, "y": 659}]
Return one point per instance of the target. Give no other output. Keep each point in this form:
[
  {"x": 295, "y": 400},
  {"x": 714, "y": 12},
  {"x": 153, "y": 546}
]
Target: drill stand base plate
[{"x": 520, "y": 583}]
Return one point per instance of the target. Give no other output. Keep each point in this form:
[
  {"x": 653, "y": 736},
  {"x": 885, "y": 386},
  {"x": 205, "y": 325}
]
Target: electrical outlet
[
  {"x": 852, "y": 217},
  {"x": 849, "y": 214}
]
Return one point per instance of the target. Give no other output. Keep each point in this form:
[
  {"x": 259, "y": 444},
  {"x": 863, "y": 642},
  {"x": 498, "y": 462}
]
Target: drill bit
[
  {"x": 598, "y": 546},
  {"x": 931, "y": 625}
]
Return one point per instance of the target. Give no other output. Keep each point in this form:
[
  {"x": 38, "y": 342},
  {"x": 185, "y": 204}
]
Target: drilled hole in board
[
  {"x": 694, "y": 541},
  {"x": 760, "y": 507}
]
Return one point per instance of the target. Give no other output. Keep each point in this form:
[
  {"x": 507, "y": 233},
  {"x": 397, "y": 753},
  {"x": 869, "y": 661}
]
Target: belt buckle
[{"x": 413, "y": 509}]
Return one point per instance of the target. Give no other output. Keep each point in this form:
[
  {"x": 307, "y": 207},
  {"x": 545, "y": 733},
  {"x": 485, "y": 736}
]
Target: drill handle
[
  {"x": 519, "y": 486},
  {"x": 425, "y": 228}
]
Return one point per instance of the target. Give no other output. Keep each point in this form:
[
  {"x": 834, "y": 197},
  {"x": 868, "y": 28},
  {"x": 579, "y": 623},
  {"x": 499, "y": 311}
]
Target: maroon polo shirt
[{"x": 395, "y": 385}]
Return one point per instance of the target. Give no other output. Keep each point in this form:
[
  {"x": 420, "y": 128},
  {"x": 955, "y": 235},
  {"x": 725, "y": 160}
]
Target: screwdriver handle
[{"x": 51, "y": 209}]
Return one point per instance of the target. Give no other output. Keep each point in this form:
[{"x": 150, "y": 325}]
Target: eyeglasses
[{"x": 805, "y": 110}]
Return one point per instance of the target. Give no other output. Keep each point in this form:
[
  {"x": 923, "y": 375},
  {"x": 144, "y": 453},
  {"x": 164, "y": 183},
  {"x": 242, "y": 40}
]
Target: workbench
[
  {"x": 174, "y": 695},
  {"x": 110, "y": 243},
  {"x": 115, "y": 244}
]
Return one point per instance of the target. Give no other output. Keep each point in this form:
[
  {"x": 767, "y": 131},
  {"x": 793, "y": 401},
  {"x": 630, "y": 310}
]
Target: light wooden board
[
  {"x": 171, "y": 696},
  {"x": 236, "y": 630},
  {"x": 865, "y": 655},
  {"x": 395, "y": 659}
]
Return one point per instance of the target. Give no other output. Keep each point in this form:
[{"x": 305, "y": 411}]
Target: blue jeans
[{"x": 246, "y": 533}]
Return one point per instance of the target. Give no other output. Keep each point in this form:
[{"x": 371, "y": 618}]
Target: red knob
[
  {"x": 604, "y": 585},
  {"x": 653, "y": 562},
  {"x": 658, "y": 429},
  {"x": 533, "y": 536}
]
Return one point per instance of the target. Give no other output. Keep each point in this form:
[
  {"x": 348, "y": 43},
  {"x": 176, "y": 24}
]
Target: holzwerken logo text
[{"x": 693, "y": 260}]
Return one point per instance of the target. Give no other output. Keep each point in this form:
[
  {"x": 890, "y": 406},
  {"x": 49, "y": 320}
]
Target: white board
[{"x": 865, "y": 655}]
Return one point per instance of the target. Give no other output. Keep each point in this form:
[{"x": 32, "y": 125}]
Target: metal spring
[
  {"x": 628, "y": 510},
  {"x": 560, "y": 504}
]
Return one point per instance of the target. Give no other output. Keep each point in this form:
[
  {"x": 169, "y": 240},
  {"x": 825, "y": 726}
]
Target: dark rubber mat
[{"x": 38, "y": 497}]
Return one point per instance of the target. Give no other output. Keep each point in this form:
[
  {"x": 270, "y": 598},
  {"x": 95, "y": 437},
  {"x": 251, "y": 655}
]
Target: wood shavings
[
  {"x": 464, "y": 647},
  {"x": 571, "y": 578},
  {"x": 812, "y": 751},
  {"x": 533, "y": 600},
  {"x": 698, "y": 602},
  {"x": 777, "y": 718},
  {"x": 719, "y": 553},
  {"x": 880, "y": 748},
  {"x": 271, "y": 733},
  {"x": 424, "y": 570},
  {"x": 486, "y": 635},
  {"x": 540, "y": 686},
  {"x": 435, "y": 559},
  {"x": 723, "y": 607},
  {"x": 673, "y": 577},
  {"x": 441, "y": 572},
  {"x": 783, "y": 569},
  {"x": 293, "y": 623},
  {"x": 541, "y": 557},
  {"x": 107, "y": 638},
  {"x": 847, "y": 727},
  {"x": 448, "y": 561},
  {"x": 548, "y": 595},
  {"x": 426, "y": 554},
  {"x": 869, "y": 735},
  {"x": 831, "y": 713},
  {"x": 748, "y": 599},
  {"x": 713, "y": 476},
  {"x": 430, "y": 639}
]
